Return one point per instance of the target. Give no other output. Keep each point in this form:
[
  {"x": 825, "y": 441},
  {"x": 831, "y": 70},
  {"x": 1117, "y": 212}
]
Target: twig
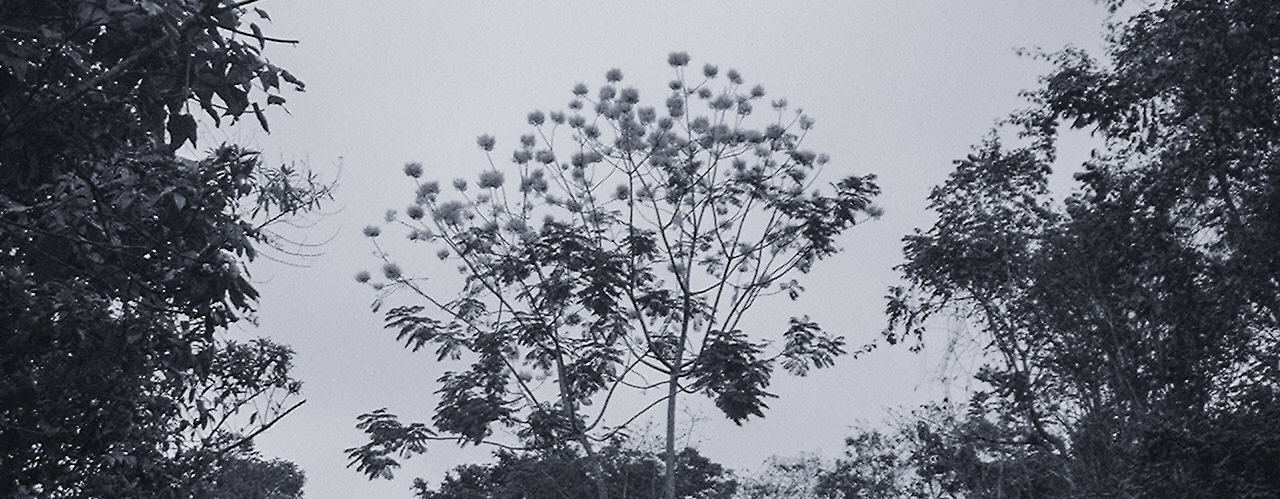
[{"x": 264, "y": 427}]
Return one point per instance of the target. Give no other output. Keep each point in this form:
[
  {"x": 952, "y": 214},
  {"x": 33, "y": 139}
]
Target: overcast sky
[{"x": 898, "y": 89}]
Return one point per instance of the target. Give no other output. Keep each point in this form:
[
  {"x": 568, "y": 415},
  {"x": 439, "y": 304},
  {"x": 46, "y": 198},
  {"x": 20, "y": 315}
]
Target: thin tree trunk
[
  {"x": 673, "y": 380},
  {"x": 571, "y": 413},
  {"x": 672, "y": 390}
]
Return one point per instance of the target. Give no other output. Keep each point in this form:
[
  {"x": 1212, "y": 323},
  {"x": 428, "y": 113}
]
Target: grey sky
[{"x": 898, "y": 89}]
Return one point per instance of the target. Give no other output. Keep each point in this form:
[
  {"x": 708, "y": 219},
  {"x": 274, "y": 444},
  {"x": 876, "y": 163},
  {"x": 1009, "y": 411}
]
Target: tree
[
  {"x": 250, "y": 477},
  {"x": 630, "y": 252},
  {"x": 564, "y": 472},
  {"x": 785, "y": 478},
  {"x": 1131, "y": 328},
  {"x": 122, "y": 261},
  {"x": 936, "y": 451},
  {"x": 870, "y": 468}
]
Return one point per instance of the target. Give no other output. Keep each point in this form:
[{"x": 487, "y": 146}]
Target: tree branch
[{"x": 263, "y": 428}]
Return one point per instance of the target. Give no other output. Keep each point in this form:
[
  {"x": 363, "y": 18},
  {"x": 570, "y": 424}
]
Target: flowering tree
[{"x": 625, "y": 256}]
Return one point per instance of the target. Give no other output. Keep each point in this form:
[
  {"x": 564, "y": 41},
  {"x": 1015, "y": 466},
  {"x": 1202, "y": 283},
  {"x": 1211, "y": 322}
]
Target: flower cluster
[
  {"x": 491, "y": 179},
  {"x": 697, "y": 143},
  {"x": 413, "y": 169}
]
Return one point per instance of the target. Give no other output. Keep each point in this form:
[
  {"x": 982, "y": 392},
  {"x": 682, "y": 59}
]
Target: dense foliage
[
  {"x": 563, "y": 472},
  {"x": 121, "y": 263},
  {"x": 625, "y": 256},
  {"x": 250, "y": 477},
  {"x": 1132, "y": 327}
]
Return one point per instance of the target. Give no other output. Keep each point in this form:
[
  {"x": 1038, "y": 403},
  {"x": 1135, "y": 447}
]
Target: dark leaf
[
  {"x": 730, "y": 371},
  {"x": 182, "y": 128},
  {"x": 262, "y": 118}
]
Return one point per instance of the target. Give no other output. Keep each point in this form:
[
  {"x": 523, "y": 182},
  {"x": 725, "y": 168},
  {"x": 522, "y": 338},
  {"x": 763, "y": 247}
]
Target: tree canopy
[
  {"x": 123, "y": 262},
  {"x": 564, "y": 472},
  {"x": 1132, "y": 323}
]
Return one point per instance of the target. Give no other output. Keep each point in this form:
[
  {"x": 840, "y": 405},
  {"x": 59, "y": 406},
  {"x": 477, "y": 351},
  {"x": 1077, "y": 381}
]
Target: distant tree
[
  {"x": 121, "y": 262},
  {"x": 785, "y": 478},
  {"x": 870, "y": 468},
  {"x": 935, "y": 451},
  {"x": 627, "y": 257},
  {"x": 563, "y": 472},
  {"x": 250, "y": 477},
  {"x": 1132, "y": 328}
]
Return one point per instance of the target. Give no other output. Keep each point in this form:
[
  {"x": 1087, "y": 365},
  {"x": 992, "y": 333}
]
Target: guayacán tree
[
  {"x": 1132, "y": 327},
  {"x": 625, "y": 256},
  {"x": 122, "y": 262}
]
